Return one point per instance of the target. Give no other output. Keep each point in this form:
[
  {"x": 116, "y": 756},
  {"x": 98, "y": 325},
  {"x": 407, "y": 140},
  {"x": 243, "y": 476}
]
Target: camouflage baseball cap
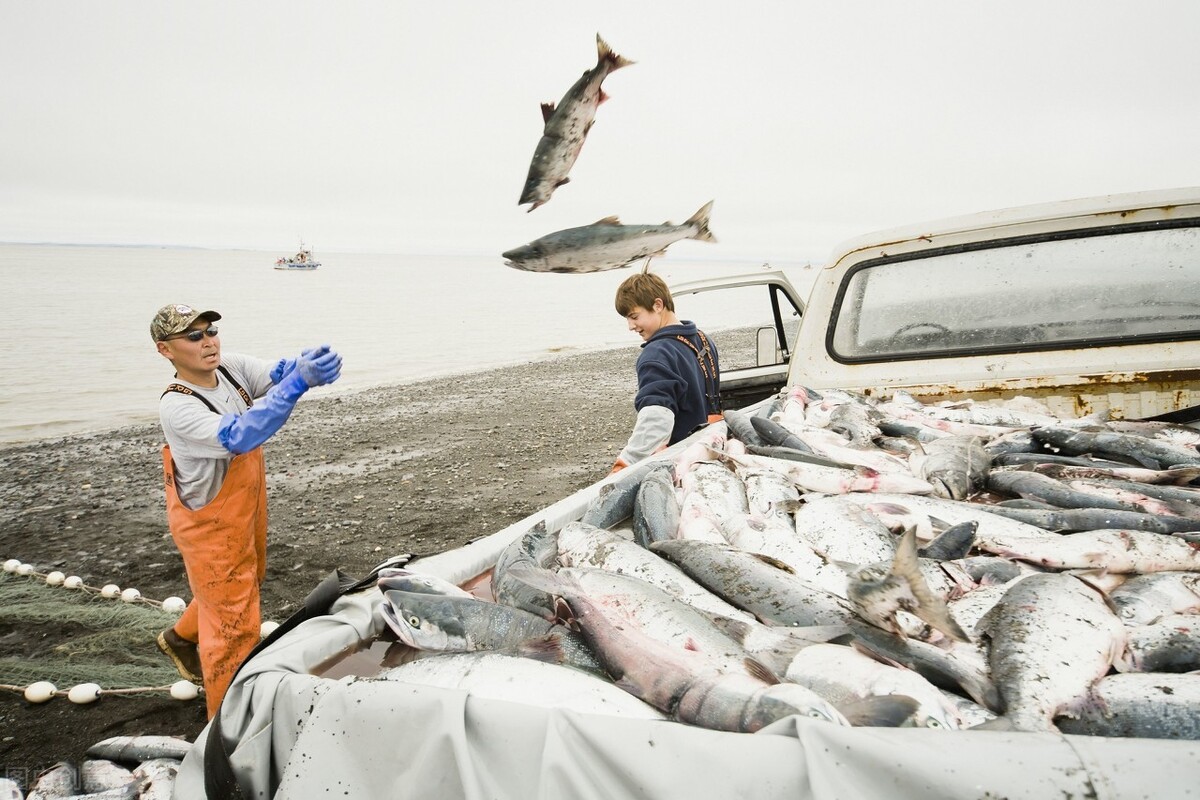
[{"x": 176, "y": 318}]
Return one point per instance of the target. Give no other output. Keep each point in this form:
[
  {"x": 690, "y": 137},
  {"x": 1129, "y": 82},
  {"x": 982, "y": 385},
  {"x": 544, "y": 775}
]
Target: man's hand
[
  {"x": 320, "y": 366},
  {"x": 618, "y": 466},
  {"x": 286, "y": 365}
]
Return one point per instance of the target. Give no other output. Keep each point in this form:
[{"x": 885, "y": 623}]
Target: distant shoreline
[{"x": 334, "y": 392}]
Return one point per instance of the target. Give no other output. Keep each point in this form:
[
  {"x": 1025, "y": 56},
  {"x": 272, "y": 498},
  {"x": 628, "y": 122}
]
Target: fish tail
[
  {"x": 931, "y": 609},
  {"x": 700, "y": 220},
  {"x": 606, "y": 55}
]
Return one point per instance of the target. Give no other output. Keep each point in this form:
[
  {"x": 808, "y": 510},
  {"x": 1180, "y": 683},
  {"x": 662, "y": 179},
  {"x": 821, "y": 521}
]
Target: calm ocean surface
[{"x": 78, "y": 354}]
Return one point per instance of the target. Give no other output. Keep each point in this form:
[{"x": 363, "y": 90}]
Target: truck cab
[
  {"x": 1088, "y": 306},
  {"x": 754, "y": 358}
]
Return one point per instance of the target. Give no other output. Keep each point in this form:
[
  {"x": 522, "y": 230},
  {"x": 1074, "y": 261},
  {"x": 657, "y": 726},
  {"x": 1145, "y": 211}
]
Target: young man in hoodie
[{"x": 678, "y": 370}]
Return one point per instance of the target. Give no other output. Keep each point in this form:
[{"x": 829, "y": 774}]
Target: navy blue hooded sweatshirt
[{"x": 670, "y": 375}]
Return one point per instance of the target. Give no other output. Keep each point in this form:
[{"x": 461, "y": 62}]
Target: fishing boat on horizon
[{"x": 303, "y": 259}]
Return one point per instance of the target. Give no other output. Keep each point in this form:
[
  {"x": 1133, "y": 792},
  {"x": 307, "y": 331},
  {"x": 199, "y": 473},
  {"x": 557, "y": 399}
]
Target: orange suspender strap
[
  {"x": 710, "y": 373},
  {"x": 179, "y": 387},
  {"x": 229, "y": 377}
]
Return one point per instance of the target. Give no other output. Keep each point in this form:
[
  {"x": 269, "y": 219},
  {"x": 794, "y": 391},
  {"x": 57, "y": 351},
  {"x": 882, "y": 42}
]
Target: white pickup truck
[{"x": 1089, "y": 307}]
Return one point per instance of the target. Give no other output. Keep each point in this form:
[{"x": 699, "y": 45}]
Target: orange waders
[{"x": 224, "y": 549}]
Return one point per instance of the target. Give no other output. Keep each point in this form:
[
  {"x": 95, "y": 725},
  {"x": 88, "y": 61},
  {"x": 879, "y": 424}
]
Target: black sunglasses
[{"x": 194, "y": 335}]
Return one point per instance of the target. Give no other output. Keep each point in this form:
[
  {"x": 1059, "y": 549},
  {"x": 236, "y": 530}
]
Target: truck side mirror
[{"x": 767, "y": 349}]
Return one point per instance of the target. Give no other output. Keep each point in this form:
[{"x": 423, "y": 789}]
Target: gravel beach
[{"x": 352, "y": 479}]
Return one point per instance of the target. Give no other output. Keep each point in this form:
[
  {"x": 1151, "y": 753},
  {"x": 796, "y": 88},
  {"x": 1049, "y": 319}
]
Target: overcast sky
[{"x": 409, "y": 127}]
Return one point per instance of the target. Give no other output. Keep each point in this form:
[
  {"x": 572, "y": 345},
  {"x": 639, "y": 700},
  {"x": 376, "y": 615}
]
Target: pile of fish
[
  {"x": 119, "y": 768},
  {"x": 861, "y": 562}
]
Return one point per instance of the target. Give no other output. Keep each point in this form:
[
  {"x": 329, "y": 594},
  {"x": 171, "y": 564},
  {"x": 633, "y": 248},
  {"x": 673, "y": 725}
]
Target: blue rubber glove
[
  {"x": 241, "y": 433},
  {"x": 319, "y": 368},
  {"x": 286, "y": 365}
]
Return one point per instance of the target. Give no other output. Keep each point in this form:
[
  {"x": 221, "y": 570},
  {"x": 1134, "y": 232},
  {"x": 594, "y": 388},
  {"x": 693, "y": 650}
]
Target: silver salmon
[
  {"x": 605, "y": 244},
  {"x": 566, "y": 128},
  {"x": 447, "y": 624},
  {"x": 1149, "y": 706},
  {"x": 1050, "y": 638},
  {"x": 683, "y": 683}
]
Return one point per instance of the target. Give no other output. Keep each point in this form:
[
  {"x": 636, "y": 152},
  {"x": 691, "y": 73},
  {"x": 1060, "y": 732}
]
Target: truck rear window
[{"x": 1140, "y": 283}]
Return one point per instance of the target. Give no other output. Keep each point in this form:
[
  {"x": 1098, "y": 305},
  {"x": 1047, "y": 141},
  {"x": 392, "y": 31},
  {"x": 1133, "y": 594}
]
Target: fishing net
[{"x": 69, "y": 636}]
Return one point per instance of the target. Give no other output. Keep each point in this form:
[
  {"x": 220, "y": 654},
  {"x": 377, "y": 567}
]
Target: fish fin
[
  {"x": 938, "y": 616},
  {"x": 1181, "y": 475},
  {"x": 879, "y": 711},
  {"x": 700, "y": 220},
  {"x": 886, "y": 508},
  {"x": 986, "y": 694},
  {"x": 876, "y": 655},
  {"x": 845, "y": 566},
  {"x": 759, "y": 670},
  {"x": 547, "y": 111},
  {"x": 953, "y": 542},
  {"x": 550, "y": 582},
  {"x": 563, "y": 614},
  {"x": 605, "y": 53},
  {"x": 774, "y": 562},
  {"x": 1090, "y": 578},
  {"x": 997, "y": 724},
  {"x": 608, "y": 221},
  {"x": 562, "y": 182},
  {"x": 930, "y": 608},
  {"x": 546, "y": 648},
  {"x": 820, "y": 634},
  {"x": 735, "y": 629}
]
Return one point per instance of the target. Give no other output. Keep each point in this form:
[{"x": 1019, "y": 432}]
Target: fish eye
[
  {"x": 933, "y": 723},
  {"x": 815, "y": 713},
  {"x": 414, "y": 620}
]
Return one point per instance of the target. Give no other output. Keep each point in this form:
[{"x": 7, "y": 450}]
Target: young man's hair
[{"x": 641, "y": 290}]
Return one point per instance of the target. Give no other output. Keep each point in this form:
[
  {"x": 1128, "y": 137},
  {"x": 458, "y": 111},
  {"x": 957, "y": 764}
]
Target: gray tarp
[{"x": 295, "y": 735}]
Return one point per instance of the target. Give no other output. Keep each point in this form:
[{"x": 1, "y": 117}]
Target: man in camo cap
[
  {"x": 215, "y": 417},
  {"x": 177, "y": 318}
]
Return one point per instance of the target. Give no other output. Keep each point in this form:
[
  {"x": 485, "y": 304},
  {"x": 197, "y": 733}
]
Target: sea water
[{"x": 75, "y": 325}]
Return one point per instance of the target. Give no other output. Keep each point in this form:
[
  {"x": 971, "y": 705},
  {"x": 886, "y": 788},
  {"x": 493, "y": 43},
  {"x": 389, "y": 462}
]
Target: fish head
[
  {"x": 954, "y": 486},
  {"x": 527, "y": 257},
  {"x": 785, "y": 698},
  {"x": 1137, "y": 609},
  {"x": 427, "y": 621},
  {"x": 932, "y": 714},
  {"x": 406, "y": 580}
]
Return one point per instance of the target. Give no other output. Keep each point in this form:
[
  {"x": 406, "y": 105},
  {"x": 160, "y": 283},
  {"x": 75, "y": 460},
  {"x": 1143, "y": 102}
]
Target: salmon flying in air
[{"x": 567, "y": 125}]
